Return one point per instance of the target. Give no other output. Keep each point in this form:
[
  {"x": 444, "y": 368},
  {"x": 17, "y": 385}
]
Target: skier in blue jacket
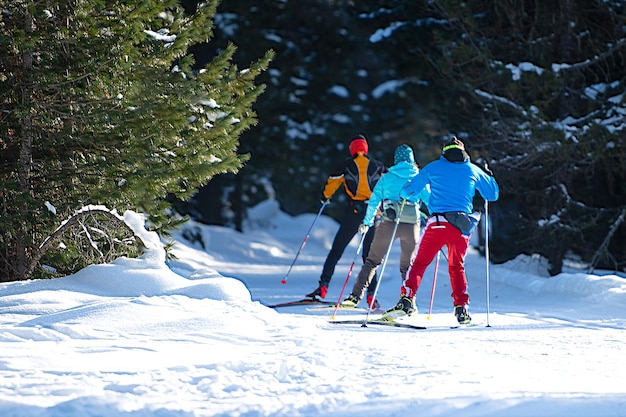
[
  {"x": 385, "y": 199},
  {"x": 453, "y": 180}
]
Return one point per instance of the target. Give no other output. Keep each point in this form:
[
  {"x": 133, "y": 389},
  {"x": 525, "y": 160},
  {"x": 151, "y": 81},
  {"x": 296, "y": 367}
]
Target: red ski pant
[{"x": 435, "y": 237}]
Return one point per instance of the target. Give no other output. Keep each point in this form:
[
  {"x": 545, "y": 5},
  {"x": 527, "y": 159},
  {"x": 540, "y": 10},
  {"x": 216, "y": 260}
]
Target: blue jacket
[
  {"x": 387, "y": 190},
  {"x": 452, "y": 186}
]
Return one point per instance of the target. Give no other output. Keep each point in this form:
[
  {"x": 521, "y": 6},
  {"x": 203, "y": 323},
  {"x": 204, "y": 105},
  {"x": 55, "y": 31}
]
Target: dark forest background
[
  {"x": 213, "y": 107},
  {"x": 535, "y": 88}
]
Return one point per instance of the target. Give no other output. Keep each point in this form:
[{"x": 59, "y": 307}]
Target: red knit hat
[{"x": 358, "y": 144}]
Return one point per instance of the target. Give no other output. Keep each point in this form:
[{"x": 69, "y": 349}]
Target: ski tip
[{"x": 284, "y": 281}]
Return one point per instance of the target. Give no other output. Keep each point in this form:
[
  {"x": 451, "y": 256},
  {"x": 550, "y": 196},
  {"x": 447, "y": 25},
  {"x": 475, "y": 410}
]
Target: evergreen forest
[{"x": 207, "y": 108}]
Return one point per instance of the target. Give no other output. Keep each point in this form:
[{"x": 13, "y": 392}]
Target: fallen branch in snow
[
  {"x": 603, "y": 250},
  {"x": 101, "y": 235}
]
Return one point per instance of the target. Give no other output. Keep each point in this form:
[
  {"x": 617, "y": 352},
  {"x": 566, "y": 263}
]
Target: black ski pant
[{"x": 349, "y": 226}]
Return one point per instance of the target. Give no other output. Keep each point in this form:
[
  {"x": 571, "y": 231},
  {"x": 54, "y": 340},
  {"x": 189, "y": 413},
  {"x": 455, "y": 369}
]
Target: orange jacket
[{"x": 358, "y": 176}]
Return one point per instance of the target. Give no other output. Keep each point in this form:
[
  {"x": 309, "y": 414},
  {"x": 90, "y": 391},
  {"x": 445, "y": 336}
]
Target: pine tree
[
  {"x": 536, "y": 90},
  {"x": 329, "y": 82},
  {"x": 102, "y": 105}
]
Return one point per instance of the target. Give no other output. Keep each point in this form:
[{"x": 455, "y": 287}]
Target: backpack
[{"x": 466, "y": 223}]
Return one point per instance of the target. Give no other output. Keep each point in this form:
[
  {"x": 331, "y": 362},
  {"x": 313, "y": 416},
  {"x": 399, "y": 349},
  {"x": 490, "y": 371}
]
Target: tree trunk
[
  {"x": 568, "y": 45},
  {"x": 22, "y": 253}
]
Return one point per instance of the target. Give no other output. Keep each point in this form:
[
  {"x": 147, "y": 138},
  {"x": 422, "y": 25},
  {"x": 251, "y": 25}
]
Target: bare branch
[
  {"x": 90, "y": 235},
  {"x": 603, "y": 249}
]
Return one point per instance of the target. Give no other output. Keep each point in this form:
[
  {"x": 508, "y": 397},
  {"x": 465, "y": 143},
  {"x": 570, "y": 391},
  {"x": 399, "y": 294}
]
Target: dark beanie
[
  {"x": 454, "y": 150},
  {"x": 358, "y": 144}
]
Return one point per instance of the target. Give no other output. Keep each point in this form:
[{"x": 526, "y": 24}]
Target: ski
[
  {"x": 380, "y": 322},
  {"x": 331, "y": 308},
  {"x": 393, "y": 323},
  {"x": 303, "y": 302},
  {"x": 467, "y": 325}
]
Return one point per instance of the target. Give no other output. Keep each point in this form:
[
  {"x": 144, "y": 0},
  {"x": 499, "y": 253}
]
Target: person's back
[
  {"x": 358, "y": 174},
  {"x": 453, "y": 180}
]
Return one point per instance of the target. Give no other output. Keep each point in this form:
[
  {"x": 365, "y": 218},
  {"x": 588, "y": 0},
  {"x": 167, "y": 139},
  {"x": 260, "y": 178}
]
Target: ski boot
[
  {"x": 319, "y": 292},
  {"x": 405, "y": 307},
  {"x": 461, "y": 314},
  {"x": 350, "y": 302}
]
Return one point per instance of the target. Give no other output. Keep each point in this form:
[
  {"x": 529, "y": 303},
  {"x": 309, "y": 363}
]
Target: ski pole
[
  {"x": 432, "y": 292},
  {"x": 358, "y": 251},
  {"x": 487, "y": 255},
  {"x": 382, "y": 268},
  {"x": 324, "y": 204}
]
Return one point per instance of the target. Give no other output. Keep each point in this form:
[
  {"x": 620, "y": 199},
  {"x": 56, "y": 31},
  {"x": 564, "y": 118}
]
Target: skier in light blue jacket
[{"x": 386, "y": 201}]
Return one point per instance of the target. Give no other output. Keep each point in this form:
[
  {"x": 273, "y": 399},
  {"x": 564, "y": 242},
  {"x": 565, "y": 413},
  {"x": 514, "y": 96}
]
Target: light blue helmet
[{"x": 403, "y": 153}]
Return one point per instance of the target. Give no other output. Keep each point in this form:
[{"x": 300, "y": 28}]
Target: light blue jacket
[
  {"x": 387, "y": 190},
  {"x": 452, "y": 186}
]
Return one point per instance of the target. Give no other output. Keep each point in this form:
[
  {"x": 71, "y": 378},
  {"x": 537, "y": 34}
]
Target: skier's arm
[
  {"x": 332, "y": 185},
  {"x": 411, "y": 190},
  {"x": 487, "y": 186}
]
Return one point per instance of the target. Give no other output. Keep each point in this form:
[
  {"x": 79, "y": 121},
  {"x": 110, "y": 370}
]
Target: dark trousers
[{"x": 349, "y": 226}]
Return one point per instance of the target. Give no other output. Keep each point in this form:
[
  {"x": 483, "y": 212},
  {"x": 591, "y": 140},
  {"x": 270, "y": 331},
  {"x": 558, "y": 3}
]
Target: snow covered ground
[{"x": 192, "y": 337}]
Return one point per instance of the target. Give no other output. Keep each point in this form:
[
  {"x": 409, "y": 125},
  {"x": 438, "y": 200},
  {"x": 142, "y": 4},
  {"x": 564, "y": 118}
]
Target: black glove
[{"x": 486, "y": 169}]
